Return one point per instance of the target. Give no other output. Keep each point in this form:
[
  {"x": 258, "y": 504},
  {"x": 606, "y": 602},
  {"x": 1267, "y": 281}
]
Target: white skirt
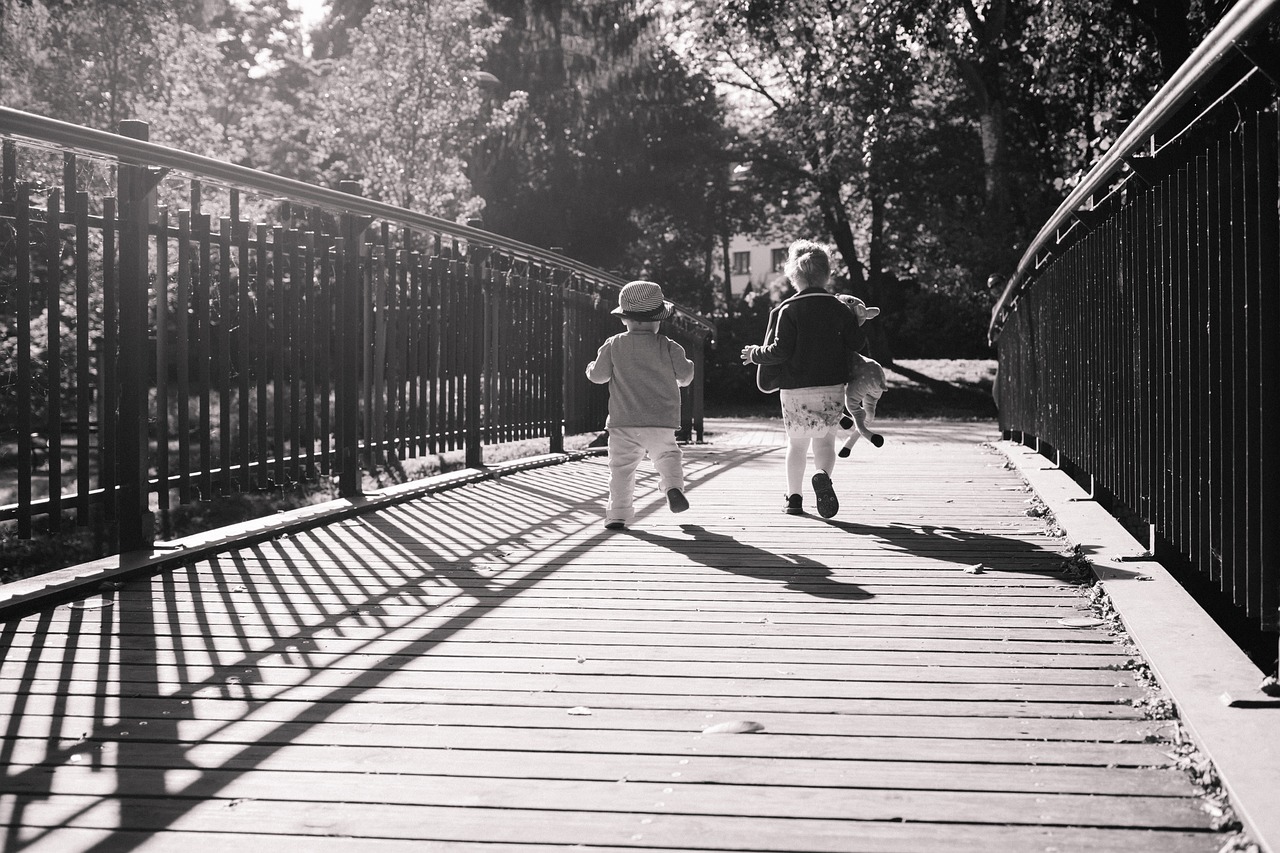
[{"x": 812, "y": 412}]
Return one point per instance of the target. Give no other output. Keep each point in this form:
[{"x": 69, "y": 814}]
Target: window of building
[
  {"x": 778, "y": 260},
  {"x": 741, "y": 263}
]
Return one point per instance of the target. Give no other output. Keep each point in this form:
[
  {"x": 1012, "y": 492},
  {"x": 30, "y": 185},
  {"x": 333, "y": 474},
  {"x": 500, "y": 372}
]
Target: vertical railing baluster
[
  {"x": 203, "y": 352},
  {"x": 308, "y": 295},
  {"x": 350, "y": 348},
  {"x": 137, "y": 528},
  {"x": 244, "y": 325},
  {"x": 109, "y": 392},
  {"x": 376, "y": 369},
  {"x": 1248, "y": 347},
  {"x": 182, "y": 356},
  {"x": 413, "y": 419},
  {"x": 53, "y": 355},
  {"x": 84, "y": 364},
  {"x": 262, "y": 351},
  {"x": 24, "y": 366},
  {"x": 163, "y": 361},
  {"x": 1243, "y": 455},
  {"x": 435, "y": 351},
  {"x": 294, "y": 323},
  {"x": 451, "y": 321},
  {"x": 325, "y": 334},
  {"x": 1204, "y": 394},
  {"x": 557, "y": 333},
  {"x": 279, "y": 344},
  {"x": 1267, "y": 213},
  {"x": 226, "y": 313},
  {"x": 395, "y": 351}
]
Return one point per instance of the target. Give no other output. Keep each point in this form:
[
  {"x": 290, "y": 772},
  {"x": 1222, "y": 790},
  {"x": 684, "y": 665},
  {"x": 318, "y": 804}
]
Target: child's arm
[
  {"x": 600, "y": 371},
  {"x": 680, "y": 363},
  {"x": 784, "y": 343}
]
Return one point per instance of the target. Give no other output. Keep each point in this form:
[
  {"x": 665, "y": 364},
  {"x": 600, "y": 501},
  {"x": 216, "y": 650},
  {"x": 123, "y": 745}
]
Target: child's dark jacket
[{"x": 816, "y": 335}]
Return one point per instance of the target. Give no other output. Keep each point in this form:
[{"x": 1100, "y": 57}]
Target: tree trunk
[
  {"x": 728, "y": 273},
  {"x": 841, "y": 232},
  {"x": 878, "y": 343}
]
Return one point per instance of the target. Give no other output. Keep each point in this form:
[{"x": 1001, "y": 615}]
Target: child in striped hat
[{"x": 645, "y": 371}]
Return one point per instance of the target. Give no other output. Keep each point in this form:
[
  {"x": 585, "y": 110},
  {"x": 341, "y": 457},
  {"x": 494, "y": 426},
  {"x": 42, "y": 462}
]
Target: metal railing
[
  {"x": 180, "y": 326},
  {"x": 1138, "y": 339}
]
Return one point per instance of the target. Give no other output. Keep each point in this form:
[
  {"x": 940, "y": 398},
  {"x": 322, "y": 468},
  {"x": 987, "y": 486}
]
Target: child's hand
[{"x": 748, "y": 351}]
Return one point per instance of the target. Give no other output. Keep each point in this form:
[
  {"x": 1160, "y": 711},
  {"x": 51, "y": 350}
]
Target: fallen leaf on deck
[
  {"x": 1081, "y": 622},
  {"x": 974, "y": 570},
  {"x": 734, "y": 727}
]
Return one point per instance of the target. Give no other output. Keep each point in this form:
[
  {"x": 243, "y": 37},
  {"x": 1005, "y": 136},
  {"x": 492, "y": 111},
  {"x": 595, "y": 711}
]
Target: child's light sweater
[{"x": 645, "y": 371}]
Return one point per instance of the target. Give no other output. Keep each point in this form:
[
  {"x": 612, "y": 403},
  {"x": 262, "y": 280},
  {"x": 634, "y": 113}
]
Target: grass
[{"x": 937, "y": 389}]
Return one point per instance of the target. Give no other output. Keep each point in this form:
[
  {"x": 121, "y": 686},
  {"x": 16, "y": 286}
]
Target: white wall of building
[{"x": 755, "y": 263}]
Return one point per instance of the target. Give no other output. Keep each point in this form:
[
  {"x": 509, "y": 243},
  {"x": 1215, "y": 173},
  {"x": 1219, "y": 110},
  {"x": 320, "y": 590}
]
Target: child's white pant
[{"x": 627, "y": 446}]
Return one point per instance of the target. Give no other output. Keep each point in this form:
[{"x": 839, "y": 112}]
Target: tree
[
  {"x": 822, "y": 91},
  {"x": 612, "y": 155},
  {"x": 399, "y": 111},
  {"x": 83, "y": 61}
]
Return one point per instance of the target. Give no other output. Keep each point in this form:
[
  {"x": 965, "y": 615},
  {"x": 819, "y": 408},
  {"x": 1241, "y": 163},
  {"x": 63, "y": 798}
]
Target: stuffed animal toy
[{"x": 865, "y": 386}]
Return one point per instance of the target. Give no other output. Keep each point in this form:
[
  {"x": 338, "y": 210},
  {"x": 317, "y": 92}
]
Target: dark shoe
[
  {"x": 846, "y": 420},
  {"x": 877, "y": 439},
  {"x": 828, "y": 503},
  {"x": 676, "y": 500},
  {"x": 794, "y": 505},
  {"x": 843, "y": 453},
  {"x": 615, "y": 525}
]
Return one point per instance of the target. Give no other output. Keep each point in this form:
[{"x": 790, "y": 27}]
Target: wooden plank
[
  {"x": 79, "y": 621},
  {"x": 817, "y": 774},
  {"x": 644, "y": 825},
  {"x": 668, "y": 797},
  {"x": 417, "y": 656},
  {"x": 1020, "y": 708},
  {"x": 1104, "y": 652},
  {"x": 616, "y": 649},
  {"x": 80, "y": 714},
  {"x": 287, "y": 683}
]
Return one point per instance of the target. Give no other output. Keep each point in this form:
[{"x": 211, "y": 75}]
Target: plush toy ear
[{"x": 872, "y": 313}]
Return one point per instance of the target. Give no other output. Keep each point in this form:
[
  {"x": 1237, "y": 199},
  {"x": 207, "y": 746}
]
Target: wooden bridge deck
[{"x": 487, "y": 667}]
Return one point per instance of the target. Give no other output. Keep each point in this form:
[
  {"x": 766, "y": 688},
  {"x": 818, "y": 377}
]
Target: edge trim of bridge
[
  {"x": 22, "y": 597},
  {"x": 1214, "y": 685}
]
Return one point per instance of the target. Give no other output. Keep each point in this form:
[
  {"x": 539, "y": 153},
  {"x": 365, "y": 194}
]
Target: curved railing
[
  {"x": 221, "y": 329},
  {"x": 1244, "y": 19},
  {"x": 1137, "y": 339}
]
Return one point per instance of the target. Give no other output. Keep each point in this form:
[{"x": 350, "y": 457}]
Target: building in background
[{"x": 754, "y": 265}]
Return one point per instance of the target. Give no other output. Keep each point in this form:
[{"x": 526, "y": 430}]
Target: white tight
[{"x": 824, "y": 459}]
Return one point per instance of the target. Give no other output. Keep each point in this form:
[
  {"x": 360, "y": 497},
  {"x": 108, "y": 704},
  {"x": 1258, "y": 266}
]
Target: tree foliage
[
  {"x": 400, "y": 109},
  {"x": 611, "y": 158}
]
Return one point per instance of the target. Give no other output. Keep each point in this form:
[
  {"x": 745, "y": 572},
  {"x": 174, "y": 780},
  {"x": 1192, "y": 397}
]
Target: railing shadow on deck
[{"x": 146, "y": 737}]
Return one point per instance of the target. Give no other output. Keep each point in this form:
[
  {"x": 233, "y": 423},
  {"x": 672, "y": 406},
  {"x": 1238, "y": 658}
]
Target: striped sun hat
[{"x": 642, "y": 300}]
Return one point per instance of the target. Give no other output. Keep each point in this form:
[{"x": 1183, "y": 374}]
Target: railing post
[
  {"x": 559, "y": 329},
  {"x": 350, "y": 351},
  {"x": 699, "y": 387},
  {"x": 475, "y": 318},
  {"x": 137, "y": 526}
]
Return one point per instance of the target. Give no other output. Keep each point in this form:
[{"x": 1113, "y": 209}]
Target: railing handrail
[
  {"x": 1239, "y": 22},
  {"x": 42, "y": 129}
]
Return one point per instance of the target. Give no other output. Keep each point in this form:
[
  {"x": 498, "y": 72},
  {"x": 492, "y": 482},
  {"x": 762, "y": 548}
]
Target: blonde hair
[{"x": 808, "y": 262}]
